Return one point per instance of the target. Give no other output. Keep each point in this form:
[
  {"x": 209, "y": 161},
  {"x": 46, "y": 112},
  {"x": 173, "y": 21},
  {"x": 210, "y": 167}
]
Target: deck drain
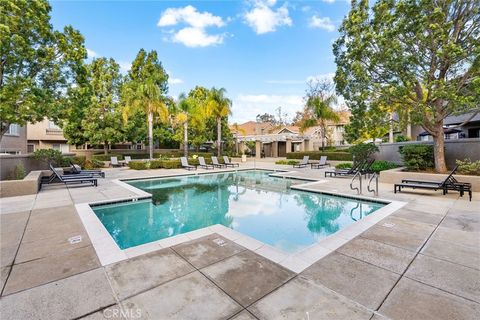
[
  {"x": 75, "y": 239},
  {"x": 219, "y": 242},
  {"x": 388, "y": 225}
]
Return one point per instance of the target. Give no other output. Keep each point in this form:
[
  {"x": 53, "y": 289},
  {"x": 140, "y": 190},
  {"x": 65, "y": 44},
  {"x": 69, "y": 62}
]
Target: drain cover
[
  {"x": 75, "y": 239},
  {"x": 219, "y": 242}
]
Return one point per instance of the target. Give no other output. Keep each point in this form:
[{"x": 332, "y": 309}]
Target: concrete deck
[{"x": 421, "y": 262}]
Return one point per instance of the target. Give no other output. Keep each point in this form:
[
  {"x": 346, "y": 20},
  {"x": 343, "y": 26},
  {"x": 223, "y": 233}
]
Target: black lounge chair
[
  {"x": 227, "y": 162},
  {"x": 203, "y": 164},
  {"x": 367, "y": 167},
  {"x": 76, "y": 169},
  {"x": 185, "y": 164},
  {"x": 352, "y": 171},
  {"x": 302, "y": 163},
  {"x": 216, "y": 164},
  {"x": 450, "y": 183},
  {"x": 71, "y": 179},
  {"x": 322, "y": 163}
]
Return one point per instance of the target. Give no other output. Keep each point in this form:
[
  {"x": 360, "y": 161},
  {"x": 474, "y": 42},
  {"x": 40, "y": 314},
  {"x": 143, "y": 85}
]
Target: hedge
[
  {"x": 106, "y": 157},
  {"x": 315, "y": 155}
]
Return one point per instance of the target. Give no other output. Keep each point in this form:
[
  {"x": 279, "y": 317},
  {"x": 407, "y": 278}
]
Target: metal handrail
[
  {"x": 375, "y": 191},
  {"x": 359, "y": 189}
]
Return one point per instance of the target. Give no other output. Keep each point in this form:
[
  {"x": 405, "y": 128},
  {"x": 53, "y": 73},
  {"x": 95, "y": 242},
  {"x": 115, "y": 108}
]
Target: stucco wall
[
  {"x": 29, "y": 185},
  {"x": 454, "y": 149}
]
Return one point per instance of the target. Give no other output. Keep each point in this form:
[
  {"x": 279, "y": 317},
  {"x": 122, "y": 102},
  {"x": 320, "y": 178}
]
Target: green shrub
[
  {"x": 469, "y": 167},
  {"x": 417, "y": 156},
  {"x": 138, "y": 165},
  {"x": 106, "y": 157},
  {"x": 52, "y": 156},
  {"x": 92, "y": 164},
  {"x": 80, "y": 160},
  {"x": 344, "y": 165},
  {"x": 155, "y": 164},
  {"x": 171, "y": 164},
  {"x": 401, "y": 138},
  {"x": 363, "y": 151},
  {"x": 287, "y": 162},
  {"x": 382, "y": 165},
  {"x": 315, "y": 155},
  {"x": 19, "y": 173}
]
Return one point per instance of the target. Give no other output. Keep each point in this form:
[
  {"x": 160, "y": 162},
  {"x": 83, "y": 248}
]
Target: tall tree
[
  {"x": 102, "y": 123},
  {"x": 319, "y": 100},
  {"x": 219, "y": 106},
  {"x": 145, "y": 91},
  {"x": 422, "y": 55},
  {"x": 37, "y": 63}
]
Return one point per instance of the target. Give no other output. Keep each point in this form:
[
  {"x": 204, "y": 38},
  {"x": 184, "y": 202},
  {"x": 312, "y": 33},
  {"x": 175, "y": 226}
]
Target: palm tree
[
  {"x": 219, "y": 106},
  {"x": 319, "y": 108},
  {"x": 148, "y": 97},
  {"x": 147, "y": 82},
  {"x": 188, "y": 109}
]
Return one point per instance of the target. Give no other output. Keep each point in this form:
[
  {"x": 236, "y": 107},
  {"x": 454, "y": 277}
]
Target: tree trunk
[
  {"x": 439, "y": 148},
  {"x": 219, "y": 136},
  {"x": 4, "y": 129},
  {"x": 150, "y": 132},
  {"x": 185, "y": 138},
  {"x": 105, "y": 147}
]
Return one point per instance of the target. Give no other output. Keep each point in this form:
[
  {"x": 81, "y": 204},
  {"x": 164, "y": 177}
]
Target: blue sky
[{"x": 261, "y": 52}]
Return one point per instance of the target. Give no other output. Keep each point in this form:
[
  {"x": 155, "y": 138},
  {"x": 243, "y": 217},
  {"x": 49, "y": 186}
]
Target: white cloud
[
  {"x": 194, "y": 34},
  {"x": 196, "y": 37},
  {"x": 324, "y": 76},
  {"x": 174, "y": 81},
  {"x": 91, "y": 54},
  {"x": 322, "y": 23},
  {"x": 263, "y": 18},
  {"x": 329, "y": 1}
]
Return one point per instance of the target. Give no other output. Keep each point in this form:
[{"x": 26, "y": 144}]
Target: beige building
[
  {"x": 277, "y": 141},
  {"x": 46, "y": 135},
  {"x": 14, "y": 141}
]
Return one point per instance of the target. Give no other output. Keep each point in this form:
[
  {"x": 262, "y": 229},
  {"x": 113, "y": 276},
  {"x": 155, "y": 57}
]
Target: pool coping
[{"x": 108, "y": 251}]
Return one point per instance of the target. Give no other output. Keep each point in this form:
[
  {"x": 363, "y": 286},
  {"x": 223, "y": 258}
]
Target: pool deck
[{"x": 420, "y": 262}]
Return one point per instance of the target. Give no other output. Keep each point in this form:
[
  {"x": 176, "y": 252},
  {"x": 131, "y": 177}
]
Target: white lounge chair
[
  {"x": 302, "y": 163},
  {"x": 203, "y": 164},
  {"x": 185, "y": 164},
  {"x": 321, "y": 163},
  {"x": 227, "y": 162}
]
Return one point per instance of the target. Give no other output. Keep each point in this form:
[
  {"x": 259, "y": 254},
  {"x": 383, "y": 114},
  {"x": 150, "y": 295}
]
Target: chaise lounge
[
  {"x": 216, "y": 164},
  {"x": 227, "y": 162},
  {"x": 302, "y": 163},
  {"x": 203, "y": 164},
  {"x": 322, "y": 163},
  {"x": 450, "y": 183},
  {"x": 71, "y": 179},
  {"x": 340, "y": 172},
  {"x": 185, "y": 164},
  {"x": 76, "y": 169}
]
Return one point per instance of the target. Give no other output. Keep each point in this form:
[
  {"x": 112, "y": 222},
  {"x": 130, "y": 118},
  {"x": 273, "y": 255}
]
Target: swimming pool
[{"x": 251, "y": 202}]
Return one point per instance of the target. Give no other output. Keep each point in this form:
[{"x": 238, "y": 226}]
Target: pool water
[{"x": 250, "y": 202}]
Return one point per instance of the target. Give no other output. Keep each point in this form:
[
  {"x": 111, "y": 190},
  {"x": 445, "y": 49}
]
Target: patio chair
[
  {"x": 227, "y": 162},
  {"x": 322, "y": 163},
  {"x": 203, "y": 164},
  {"x": 76, "y": 169},
  {"x": 367, "y": 168},
  {"x": 449, "y": 183},
  {"x": 347, "y": 172},
  {"x": 185, "y": 164},
  {"x": 216, "y": 164},
  {"x": 127, "y": 159},
  {"x": 302, "y": 163},
  {"x": 66, "y": 179},
  {"x": 114, "y": 162}
]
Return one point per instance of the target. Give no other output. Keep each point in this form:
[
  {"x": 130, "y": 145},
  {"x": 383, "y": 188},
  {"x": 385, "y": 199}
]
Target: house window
[
  {"x": 340, "y": 129},
  {"x": 13, "y": 130},
  {"x": 30, "y": 148},
  {"x": 56, "y": 146}
]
